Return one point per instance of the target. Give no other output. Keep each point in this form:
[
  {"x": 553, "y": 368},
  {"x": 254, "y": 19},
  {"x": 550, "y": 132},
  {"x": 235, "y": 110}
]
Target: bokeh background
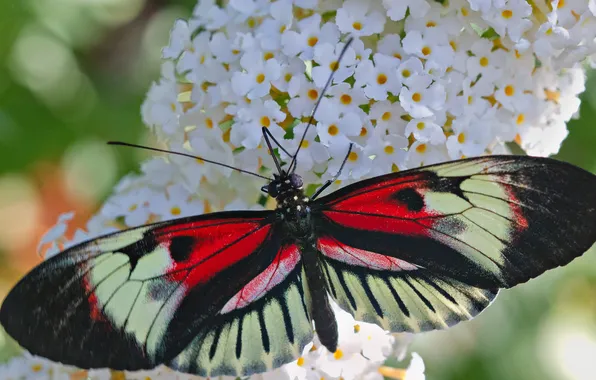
[{"x": 73, "y": 74}]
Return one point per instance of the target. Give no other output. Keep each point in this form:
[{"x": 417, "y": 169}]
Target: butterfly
[{"x": 237, "y": 292}]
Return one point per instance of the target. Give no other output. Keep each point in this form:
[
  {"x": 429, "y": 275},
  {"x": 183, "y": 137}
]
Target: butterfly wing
[
  {"x": 425, "y": 248},
  {"x": 136, "y": 299}
]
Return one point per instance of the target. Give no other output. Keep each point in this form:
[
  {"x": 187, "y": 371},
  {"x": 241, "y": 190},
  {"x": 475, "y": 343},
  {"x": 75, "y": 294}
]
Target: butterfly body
[{"x": 236, "y": 293}]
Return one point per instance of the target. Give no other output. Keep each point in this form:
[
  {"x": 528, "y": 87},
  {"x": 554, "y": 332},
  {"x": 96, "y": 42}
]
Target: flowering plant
[{"x": 423, "y": 82}]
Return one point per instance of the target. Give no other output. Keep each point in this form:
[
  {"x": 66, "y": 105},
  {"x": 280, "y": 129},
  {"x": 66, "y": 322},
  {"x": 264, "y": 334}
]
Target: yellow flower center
[
  {"x": 288, "y": 77},
  {"x": 133, "y": 207},
  {"x": 389, "y": 149},
  {"x": 345, "y": 99},
  {"x": 386, "y": 116},
  {"x": 36, "y": 367},
  {"x": 509, "y": 90},
  {"x": 421, "y": 148},
  {"x": 406, "y": 73},
  {"x": 381, "y": 79},
  {"x": 312, "y": 41},
  {"x": 420, "y": 125},
  {"x": 520, "y": 119},
  {"x": 363, "y": 132},
  {"x": 209, "y": 123},
  {"x": 397, "y": 55},
  {"x": 483, "y": 61},
  {"x": 357, "y": 25},
  {"x": 461, "y": 138},
  {"x": 175, "y": 210},
  {"x": 426, "y": 50},
  {"x": 338, "y": 354},
  {"x": 265, "y": 121},
  {"x": 561, "y": 4},
  {"x": 304, "y": 144},
  {"x": 507, "y": 14},
  {"x": 356, "y": 328},
  {"x": 417, "y": 97},
  {"x": 334, "y": 65},
  {"x": 453, "y": 45},
  {"x": 431, "y": 24},
  {"x": 352, "y": 157},
  {"x": 267, "y": 56},
  {"x": 300, "y": 361},
  {"x": 313, "y": 94},
  {"x": 332, "y": 130},
  {"x": 260, "y": 78}
]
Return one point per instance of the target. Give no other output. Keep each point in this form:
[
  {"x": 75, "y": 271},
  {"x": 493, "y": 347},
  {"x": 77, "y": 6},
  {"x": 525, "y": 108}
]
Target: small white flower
[
  {"x": 326, "y": 55},
  {"x": 346, "y": 98},
  {"x": 336, "y": 131},
  {"x": 380, "y": 78},
  {"x": 358, "y": 18},
  {"x": 357, "y": 163},
  {"x": 390, "y": 45},
  {"x": 421, "y": 154},
  {"x": 511, "y": 18},
  {"x": 248, "y": 130},
  {"x": 388, "y": 153},
  {"x": 422, "y": 96},
  {"x": 390, "y": 118},
  {"x": 311, "y": 33},
  {"x": 396, "y": 9},
  {"x": 133, "y": 205},
  {"x": 311, "y": 151},
  {"x": 177, "y": 203},
  {"x": 304, "y": 101},
  {"x": 470, "y": 138},
  {"x": 426, "y": 130},
  {"x": 179, "y": 40},
  {"x": 256, "y": 81},
  {"x": 431, "y": 46},
  {"x": 486, "y": 60},
  {"x": 512, "y": 92},
  {"x": 290, "y": 77}
]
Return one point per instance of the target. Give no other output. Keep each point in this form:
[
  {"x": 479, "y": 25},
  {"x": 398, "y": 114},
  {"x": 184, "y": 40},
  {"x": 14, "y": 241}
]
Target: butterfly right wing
[{"x": 136, "y": 299}]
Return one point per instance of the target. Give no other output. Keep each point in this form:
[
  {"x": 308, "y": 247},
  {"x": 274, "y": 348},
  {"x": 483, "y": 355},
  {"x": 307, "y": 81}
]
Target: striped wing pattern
[
  {"x": 426, "y": 248},
  {"x": 165, "y": 292}
]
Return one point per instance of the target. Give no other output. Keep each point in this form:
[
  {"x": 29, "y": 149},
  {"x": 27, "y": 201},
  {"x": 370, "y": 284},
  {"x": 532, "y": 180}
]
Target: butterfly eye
[{"x": 296, "y": 181}]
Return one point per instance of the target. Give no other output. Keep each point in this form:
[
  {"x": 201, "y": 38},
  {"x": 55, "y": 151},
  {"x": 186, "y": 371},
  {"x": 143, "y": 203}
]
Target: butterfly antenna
[
  {"x": 292, "y": 166},
  {"x": 186, "y": 155},
  {"x": 265, "y": 135},
  {"x": 266, "y": 131}
]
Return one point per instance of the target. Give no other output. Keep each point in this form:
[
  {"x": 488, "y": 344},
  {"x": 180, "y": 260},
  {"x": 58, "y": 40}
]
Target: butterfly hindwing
[
  {"x": 452, "y": 232},
  {"x": 248, "y": 338},
  {"x": 137, "y": 298}
]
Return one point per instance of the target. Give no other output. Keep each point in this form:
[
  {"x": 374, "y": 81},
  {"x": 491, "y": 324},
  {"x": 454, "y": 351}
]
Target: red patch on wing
[
  {"x": 276, "y": 272},
  {"x": 360, "y": 257},
  {"x": 213, "y": 246},
  {"x": 95, "y": 311},
  {"x": 377, "y": 207}
]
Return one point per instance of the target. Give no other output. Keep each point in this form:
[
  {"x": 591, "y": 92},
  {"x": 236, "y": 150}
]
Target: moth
[{"x": 236, "y": 293}]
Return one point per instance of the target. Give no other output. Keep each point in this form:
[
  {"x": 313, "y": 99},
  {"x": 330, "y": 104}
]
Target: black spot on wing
[
  {"x": 264, "y": 334},
  {"x": 138, "y": 249},
  {"x": 239, "y": 338},
  {"x": 181, "y": 247},
  {"x": 287, "y": 320},
  {"x": 400, "y": 303},
  {"x": 371, "y": 296},
  {"x": 424, "y": 300},
  {"x": 213, "y": 348},
  {"x": 410, "y": 198}
]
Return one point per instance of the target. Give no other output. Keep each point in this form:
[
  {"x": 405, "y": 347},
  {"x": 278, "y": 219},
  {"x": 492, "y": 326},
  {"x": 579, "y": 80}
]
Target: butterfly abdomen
[{"x": 322, "y": 313}]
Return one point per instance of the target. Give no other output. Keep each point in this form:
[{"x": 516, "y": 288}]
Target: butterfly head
[{"x": 283, "y": 184}]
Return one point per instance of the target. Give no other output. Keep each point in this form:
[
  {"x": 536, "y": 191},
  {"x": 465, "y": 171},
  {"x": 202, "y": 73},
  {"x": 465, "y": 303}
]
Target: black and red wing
[
  {"x": 195, "y": 293},
  {"x": 425, "y": 248}
]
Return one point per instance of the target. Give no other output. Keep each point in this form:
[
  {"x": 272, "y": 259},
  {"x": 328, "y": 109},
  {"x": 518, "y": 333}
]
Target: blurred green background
[{"x": 73, "y": 74}]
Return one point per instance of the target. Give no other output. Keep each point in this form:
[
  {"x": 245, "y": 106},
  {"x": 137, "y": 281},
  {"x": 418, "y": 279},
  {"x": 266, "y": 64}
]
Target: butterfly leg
[{"x": 336, "y": 176}]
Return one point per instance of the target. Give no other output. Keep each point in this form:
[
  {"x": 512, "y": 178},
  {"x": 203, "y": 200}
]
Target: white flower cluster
[{"x": 423, "y": 81}]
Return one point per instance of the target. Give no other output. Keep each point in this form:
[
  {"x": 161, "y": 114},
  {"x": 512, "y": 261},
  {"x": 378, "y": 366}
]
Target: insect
[{"x": 236, "y": 293}]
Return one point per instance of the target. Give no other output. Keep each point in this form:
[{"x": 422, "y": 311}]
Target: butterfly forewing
[
  {"x": 427, "y": 247},
  {"x": 136, "y": 299}
]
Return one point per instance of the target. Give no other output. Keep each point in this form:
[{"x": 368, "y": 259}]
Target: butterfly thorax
[{"x": 292, "y": 203}]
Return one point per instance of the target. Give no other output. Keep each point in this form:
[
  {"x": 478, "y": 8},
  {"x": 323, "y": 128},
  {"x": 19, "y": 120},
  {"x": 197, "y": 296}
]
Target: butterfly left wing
[
  {"x": 138, "y": 298},
  {"x": 424, "y": 248}
]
